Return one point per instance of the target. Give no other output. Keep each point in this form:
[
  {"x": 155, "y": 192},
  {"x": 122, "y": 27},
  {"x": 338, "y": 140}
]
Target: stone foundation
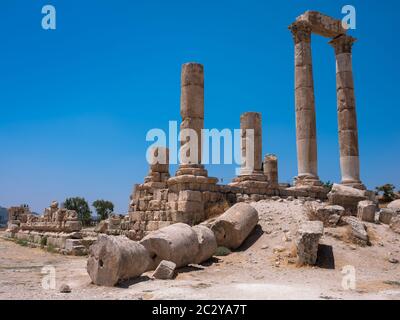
[{"x": 58, "y": 230}]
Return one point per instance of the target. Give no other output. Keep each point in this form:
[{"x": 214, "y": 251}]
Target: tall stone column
[
  {"x": 346, "y": 108},
  {"x": 251, "y": 143},
  {"x": 306, "y": 138},
  {"x": 192, "y": 113}
]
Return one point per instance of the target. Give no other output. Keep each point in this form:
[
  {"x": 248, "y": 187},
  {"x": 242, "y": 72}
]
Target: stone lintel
[{"x": 322, "y": 24}]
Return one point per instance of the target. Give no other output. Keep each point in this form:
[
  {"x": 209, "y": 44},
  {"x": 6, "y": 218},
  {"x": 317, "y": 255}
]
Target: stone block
[
  {"x": 190, "y": 206},
  {"x": 307, "y": 241},
  {"x": 71, "y": 243},
  {"x": 346, "y": 196},
  {"x": 165, "y": 270},
  {"x": 358, "y": 230},
  {"x": 386, "y": 215},
  {"x": 394, "y": 205},
  {"x": 154, "y": 205},
  {"x": 366, "y": 211},
  {"x": 188, "y": 195}
]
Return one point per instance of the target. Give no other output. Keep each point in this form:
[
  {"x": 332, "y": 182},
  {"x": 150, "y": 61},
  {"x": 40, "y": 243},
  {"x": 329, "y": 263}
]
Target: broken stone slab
[
  {"x": 307, "y": 241},
  {"x": 13, "y": 228},
  {"x": 207, "y": 242},
  {"x": 394, "y": 205},
  {"x": 70, "y": 244},
  {"x": 366, "y": 210},
  {"x": 177, "y": 243},
  {"x": 329, "y": 215},
  {"x": 72, "y": 226},
  {"x": 101, "y": 227},
  {"x": 358, "y": 230},
  {"x": 165, "y": 270},
  {"x": 346, "y": 196},
  {"x": 235, "y": 225},
  {"x": 115, "y": 258},
  {"x": 395, "y": 224},
  {"x": 386, "y": 215}
]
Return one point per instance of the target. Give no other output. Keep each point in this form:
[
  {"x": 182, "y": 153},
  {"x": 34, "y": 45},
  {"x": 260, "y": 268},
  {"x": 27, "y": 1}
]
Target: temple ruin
[
  {"x": 191, "y": 196},
  {"x": 306, "y": 135}
]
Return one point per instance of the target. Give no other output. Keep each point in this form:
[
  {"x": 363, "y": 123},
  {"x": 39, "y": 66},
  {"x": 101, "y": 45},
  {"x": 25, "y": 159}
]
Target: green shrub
[
  {"x": 50, "y": 248},
  {"x": 23, "y": 243},
  {"x": 43, "y": 242},
  {"x": 222, "y": 251}
]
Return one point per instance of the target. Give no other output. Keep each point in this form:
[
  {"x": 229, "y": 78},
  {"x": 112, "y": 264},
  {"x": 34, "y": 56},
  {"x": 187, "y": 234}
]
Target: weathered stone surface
[
  {"x": 188, "y": 195},
  {"x": 395, "y": 224},
  {"x": 235, "y": 225},
  {"x": 304, "y": 101},
  {"x": 322, "y": 24},
  {"x": 307, "y": 240},
  {"x": 64, "y": 288},
  {"x": 329, "y": 215},
  {"x": 386, "y": 215},
  {"x": 101, "y": 227},
  {"x": 177, "y": 243},
  {"x": 165, "y": 270},
  {"x": 270, "y": 167},
  {"x": 359, "y": 232},
  {"x": 346, "y": 197},
  {"x": 366, "y": 210},
  {"x": 72, "y": 226},
  {"x": 252, "y": 159},
  {"x": 207, "y": 242},
  {"x": 394, "y": 205},
  {"x": 12, "y": 228},
  {"x": 115, "y": 258},
  {"x": 70, "y": 244}
]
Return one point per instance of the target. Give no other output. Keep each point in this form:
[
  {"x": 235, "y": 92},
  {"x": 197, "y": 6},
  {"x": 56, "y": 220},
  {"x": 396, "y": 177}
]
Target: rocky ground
[{"x": 263, "y": 268}]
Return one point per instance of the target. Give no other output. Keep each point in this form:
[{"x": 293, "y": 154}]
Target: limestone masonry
[{"x": 190, "y": 196}]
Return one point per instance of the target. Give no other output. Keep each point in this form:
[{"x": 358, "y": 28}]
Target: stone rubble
[
  {"x": 307, "y": 241},
  {"x": 366, "y": 210},
  {"x": 165, "y": 270}
]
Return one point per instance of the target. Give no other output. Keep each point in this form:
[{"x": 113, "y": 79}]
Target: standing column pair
[{"x": 305, "y": 109}]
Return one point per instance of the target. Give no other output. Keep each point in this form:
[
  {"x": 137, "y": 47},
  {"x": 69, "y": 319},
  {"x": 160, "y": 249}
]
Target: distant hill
[{"x": 3, "y": 215}]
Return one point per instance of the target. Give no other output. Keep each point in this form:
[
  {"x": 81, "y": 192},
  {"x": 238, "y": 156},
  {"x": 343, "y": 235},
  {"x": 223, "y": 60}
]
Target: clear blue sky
[{"x": 76, "y": 102}]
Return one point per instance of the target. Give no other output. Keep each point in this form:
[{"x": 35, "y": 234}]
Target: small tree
[
  {"x": 328, "y": 185},
  {"x": 81, "y": 207},
  {"x": 387, "y": 190},
  {"x": 103, "y": 208}
]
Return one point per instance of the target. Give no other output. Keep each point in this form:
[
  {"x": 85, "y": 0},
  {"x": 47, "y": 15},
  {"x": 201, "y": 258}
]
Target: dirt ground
[{"x": 263, "y": 268}]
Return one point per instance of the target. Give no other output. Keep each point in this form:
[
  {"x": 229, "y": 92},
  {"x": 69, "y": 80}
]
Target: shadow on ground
[{"x": 325, "y": 258}]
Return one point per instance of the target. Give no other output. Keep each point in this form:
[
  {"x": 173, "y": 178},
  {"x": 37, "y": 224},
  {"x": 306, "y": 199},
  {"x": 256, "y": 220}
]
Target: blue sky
[{"x": 76, "y": 102}]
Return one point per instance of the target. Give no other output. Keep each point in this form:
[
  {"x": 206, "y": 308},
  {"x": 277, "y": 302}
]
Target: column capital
[
  {"x": 301, "y": 31},
  {"x": 342, "y": 43}
]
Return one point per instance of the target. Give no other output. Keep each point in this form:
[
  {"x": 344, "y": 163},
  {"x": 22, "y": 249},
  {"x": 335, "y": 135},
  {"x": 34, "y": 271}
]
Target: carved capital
[
  {"x": 301, "y": 31},
  {"x": 342, "y": 44}
]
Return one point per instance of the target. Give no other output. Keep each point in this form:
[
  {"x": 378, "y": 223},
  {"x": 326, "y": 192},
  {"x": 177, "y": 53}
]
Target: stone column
[
  {"x": 251, "y": 143},
  {"x": 306, "y": 138},
  {"x": 271, "y": 169},
  {"x": 192, "y": 113},
  {"x": 346, "y": 108}
]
